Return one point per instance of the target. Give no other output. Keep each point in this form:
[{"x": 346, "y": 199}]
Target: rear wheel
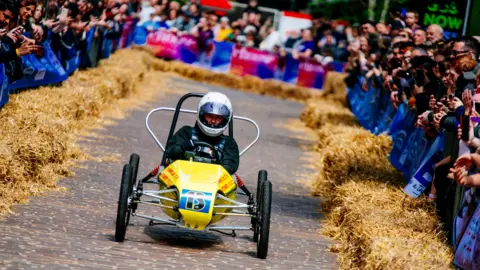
[
  {"x": 264, "y": 220},
  {"x": 123, "y": 210},
  {"x": 262, "y": 177}
]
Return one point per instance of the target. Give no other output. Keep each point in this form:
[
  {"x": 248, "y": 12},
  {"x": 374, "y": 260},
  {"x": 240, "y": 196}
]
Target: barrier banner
[
  {"x": 128, "y": 32},
  {"x": 412, "y": 153},
  {"x": 72, "y": 64},
  {"x": 338, "y": 66},
  {"x": 249, "y": 61},
  {"x": 222, "y": 52},
  {"x": 386, "y": 114},
  {"x": 107, "y": 46},
  {"x": 362, "y": 103},
  {"x": 225, "y": 56},
  {"x": 187, "y": 49},
  {"x": 424, "y": 174},
  {"x": 163, "y": 44},
  {"x": 41, "y": 70},
  {"x": 467, "y": 233},
  {"x": 402, "y": 128},
  {"x": 4, "y": 90},
  {"x": 310, "y": 73},
  {"x": 290, "y": 72},
  {"x": 140, "y": 35}
]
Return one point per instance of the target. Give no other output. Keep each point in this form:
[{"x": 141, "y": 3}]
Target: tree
[{"x": 376, "y": 10}]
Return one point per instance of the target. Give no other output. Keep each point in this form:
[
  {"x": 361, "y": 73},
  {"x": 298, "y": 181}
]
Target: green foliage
[{"x": 355, "y": 11}]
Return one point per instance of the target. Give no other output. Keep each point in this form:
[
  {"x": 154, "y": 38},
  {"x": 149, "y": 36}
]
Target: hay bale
[
  {"x": 381, "y": 228},
  {"x": 319, "y": 112},
  {"x": 38, "y": 128},
  {"x": 334, "y": 87}
]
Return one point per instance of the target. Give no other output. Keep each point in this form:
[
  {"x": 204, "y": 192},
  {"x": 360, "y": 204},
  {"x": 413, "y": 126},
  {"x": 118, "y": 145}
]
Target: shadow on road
[{"x": 180, "y": 237}]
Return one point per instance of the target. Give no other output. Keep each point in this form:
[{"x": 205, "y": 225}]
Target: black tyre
[
  {"x": 123, "y": 210},
  {"x": 262, "y": 177},
  {"x": 134, "y": 162},
  {"x": 264, "y": 220}
]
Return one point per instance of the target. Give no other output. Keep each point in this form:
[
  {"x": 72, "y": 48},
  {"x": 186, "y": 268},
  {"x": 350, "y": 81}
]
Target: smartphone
[{"x": 64, "y": 13}]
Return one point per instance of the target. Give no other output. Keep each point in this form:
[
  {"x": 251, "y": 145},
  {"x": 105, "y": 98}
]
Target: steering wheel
[{"x": 211, "y": 147}]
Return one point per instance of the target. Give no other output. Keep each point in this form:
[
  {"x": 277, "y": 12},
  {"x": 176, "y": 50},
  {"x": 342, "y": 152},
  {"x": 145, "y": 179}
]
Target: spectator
[
  {"x": 382, "y": 29},
  {"x": 273, "y": 40},
  {"x": 306, "y": 47},
  {"x": 397, "y": 22},
  {"x": 7, "y": 14},
  {"x": 194, "y": 13},
  {"x": 252, "y": 11},
  {"x": 411, "y": 20},
  {"x": 419, "y": 37},
  {"x": 368, "y": 27},
  {"x": 223, "y": 30},
  {"x": 293, "y": 37},
  {"x": 434, "y": 33}
]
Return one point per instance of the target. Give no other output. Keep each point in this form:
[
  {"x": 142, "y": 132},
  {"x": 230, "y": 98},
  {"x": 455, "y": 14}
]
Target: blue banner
[
  {"x": 423, "y": 177},
  {"x": 4, "y": 89},
  {"x": 40, "y": 71},
  {"x": 290, "y": 71},
  {"x": 220, "y": 61}
]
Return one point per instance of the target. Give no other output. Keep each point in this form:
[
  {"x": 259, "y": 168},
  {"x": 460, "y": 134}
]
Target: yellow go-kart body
[{"x": 197, "y": 185}]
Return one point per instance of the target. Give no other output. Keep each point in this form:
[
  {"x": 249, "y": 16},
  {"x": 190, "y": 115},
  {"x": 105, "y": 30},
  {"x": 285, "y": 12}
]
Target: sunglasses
[{"x": 456, "y": 53}]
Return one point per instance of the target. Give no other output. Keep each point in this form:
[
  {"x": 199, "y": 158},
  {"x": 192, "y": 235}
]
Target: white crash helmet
[{"x": 218, "y": 104}]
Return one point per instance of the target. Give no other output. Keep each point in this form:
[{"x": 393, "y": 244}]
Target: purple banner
[
  {"x": 311, "y": 73},
  {"x": 249, "y": 61},
  {"x": 188, "y": 49},
  {"x": 163, "y": 44}
]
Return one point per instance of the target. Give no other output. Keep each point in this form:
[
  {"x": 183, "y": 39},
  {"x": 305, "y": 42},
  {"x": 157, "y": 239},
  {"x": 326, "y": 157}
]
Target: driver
[{"x": 214, "y": 115}]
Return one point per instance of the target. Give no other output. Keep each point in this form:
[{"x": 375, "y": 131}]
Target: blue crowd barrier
[
  {"x": 48, "y": 69},
  {"x": 412, "y": 153}
]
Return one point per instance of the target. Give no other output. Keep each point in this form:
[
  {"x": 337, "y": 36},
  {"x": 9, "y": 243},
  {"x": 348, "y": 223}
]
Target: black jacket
[{"x": 180, "y": 142}]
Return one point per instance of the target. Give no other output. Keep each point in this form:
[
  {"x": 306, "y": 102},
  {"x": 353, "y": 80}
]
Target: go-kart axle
[
  {"x": 233, "y": 234},
  {"x": 160, "y": 197},
  {"x": 156, "y": 204},
  {"x": 233, "y": 214},
  {"x": 171, "y": 222}
]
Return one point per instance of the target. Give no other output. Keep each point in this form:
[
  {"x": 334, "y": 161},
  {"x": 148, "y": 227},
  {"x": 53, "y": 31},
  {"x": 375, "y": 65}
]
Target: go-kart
[{"x": 197, "y": 192}]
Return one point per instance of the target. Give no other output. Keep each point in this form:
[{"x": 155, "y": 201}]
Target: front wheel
[
  {"x": 123, "y": 210},
  {"x": 264, "y": 220},
  {"x": 262, "y": 177},
  {"x": 134, "y": 163}
]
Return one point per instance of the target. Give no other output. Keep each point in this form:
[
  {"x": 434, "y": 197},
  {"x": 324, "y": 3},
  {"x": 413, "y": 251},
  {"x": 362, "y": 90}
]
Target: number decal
[{"x": 196, "y": 201}]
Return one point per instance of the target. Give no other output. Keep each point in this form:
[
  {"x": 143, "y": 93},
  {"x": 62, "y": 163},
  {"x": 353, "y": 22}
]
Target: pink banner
[
  {"x": 249, "y": 61},
  {"x": 311, "y": 73},
  {"x": 163, "y": 43}
]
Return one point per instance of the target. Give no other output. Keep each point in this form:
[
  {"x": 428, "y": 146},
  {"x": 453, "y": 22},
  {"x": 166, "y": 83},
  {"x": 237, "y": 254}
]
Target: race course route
[{"x": 74, "y": 229}]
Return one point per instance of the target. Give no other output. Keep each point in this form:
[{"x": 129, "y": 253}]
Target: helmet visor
[{"x": 214, "y": 115}]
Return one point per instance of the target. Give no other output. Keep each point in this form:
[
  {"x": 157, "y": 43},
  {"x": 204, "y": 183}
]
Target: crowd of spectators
[
  {"x": 437, "y": 78},
  {"x": 252, "y": 29},
  {"x": 26, "y": 24}
]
